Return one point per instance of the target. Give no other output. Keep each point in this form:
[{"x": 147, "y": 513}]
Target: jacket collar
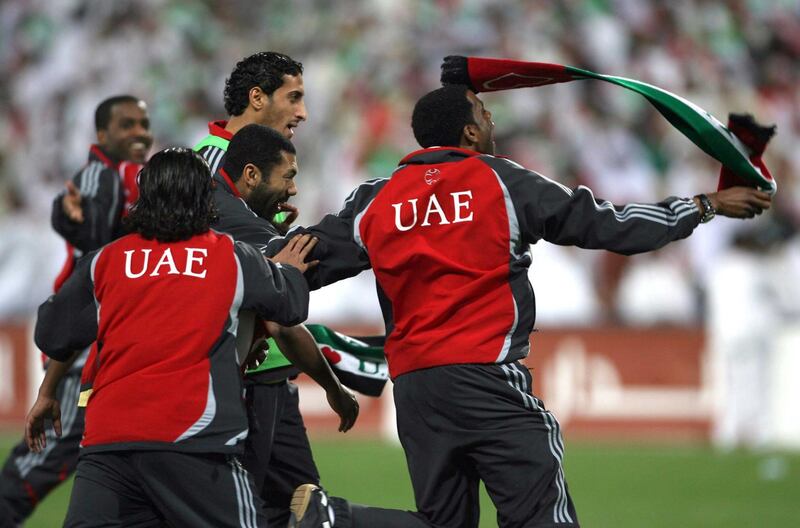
[
  {"x": 217, "y": 128},
  {"x": 96, "y": 153},
  {"x": 223, "y": 176},
  {"x": 438, "y": 155}
]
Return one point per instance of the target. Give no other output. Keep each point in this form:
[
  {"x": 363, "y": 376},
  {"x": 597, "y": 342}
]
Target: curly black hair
[
  {"x": 256, "y": 144},
  {"x": 440, "y": 116},
  {"x": 265, "y": 70},
  {"x": 175, "y": 199}
]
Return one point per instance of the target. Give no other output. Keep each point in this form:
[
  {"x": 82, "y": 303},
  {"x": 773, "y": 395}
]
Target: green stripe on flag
[{"x": 703, "y": 129}]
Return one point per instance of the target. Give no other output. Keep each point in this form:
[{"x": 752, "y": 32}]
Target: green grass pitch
[{"x": 613, "y": 485}]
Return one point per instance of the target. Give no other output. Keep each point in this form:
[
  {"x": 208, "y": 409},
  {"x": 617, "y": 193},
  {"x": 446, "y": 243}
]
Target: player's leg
[
  {"x": 264, "y": 402},
  {"x": 28, "y": 477},
  {"x": 521, "y": 455},
  {"x": 107, "y": 492},
  {"x": 191, "y": 489},
  {"x": 291, "y": 463},
  {"x": 312, "y": 508},
  {"x": 445, "y": 487}
]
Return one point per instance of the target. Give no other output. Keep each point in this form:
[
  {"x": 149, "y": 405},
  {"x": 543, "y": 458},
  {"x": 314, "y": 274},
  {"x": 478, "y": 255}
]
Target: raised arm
[{"x": 87, "y": 213}]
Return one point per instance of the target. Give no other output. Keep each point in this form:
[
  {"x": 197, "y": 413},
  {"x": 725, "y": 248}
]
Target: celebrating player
[
  {"x": 87, "y": 214},
  {"x": 448, "y": 238},
  {"x": 165, "y": 415},
  {"x": 258, "y": 173},
  {"x": 267, "y": 89}
]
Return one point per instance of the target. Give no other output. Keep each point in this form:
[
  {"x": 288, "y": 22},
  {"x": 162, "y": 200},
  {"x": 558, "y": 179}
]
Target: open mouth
[{"x": 139, "y": 148}]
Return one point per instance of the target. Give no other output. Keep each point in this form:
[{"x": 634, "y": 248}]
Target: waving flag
[{"x": 704, "y": 130}]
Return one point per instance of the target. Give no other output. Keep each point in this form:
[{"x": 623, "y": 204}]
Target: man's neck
[
  {"x": 235, "y": 123},
  {"x": 469, "y": 146}
]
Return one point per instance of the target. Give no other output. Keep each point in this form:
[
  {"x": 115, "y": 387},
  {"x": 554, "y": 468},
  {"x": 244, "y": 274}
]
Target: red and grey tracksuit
[
  {"x": 448, "y": 238},
  {"x": 163, "y": 379}
]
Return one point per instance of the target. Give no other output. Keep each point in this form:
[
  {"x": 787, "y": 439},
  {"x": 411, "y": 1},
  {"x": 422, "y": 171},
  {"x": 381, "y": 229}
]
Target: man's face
[
  {"x": 286, "y": 107},
  {"x": 483, "y": 120},
  {"x": 274, "y": 188},
  {"x": 128, "y": 136}
]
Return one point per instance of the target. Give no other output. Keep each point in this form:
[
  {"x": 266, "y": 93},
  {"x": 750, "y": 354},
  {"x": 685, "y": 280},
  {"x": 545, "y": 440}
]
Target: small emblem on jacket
[{"x": 432, "y": 176}]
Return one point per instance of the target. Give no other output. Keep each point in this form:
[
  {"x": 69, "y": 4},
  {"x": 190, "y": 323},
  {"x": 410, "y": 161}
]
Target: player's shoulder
[
  {"x": 364, "y": 193},
  {"x": 502, "y": 163}
]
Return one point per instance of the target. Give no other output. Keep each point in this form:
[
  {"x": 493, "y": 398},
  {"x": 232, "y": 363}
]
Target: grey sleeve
[
  {"x": 275, "y": 292},
  {"x": 67, "y": 321},
  {"x": 574, "y": 217},
  {"x": 102, "y": 201},
  {"x": 340, "y": 250}
]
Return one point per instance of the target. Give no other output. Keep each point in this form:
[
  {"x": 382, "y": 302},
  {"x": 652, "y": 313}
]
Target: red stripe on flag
[{"x": 489, "y": 75}]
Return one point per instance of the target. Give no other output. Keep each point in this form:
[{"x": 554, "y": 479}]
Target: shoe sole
[{"x": 301, "y": 499}]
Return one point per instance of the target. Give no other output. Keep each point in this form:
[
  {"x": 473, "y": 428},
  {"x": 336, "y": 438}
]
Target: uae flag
[
  {"x": 738, "y": 148},
  {"x": 359, "y": 362}
]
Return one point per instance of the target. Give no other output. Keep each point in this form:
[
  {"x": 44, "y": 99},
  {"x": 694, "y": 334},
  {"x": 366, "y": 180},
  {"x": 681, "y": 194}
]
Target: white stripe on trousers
[
  {"x": 516, "y": 379},
  {"x": 244, "y": 496}
]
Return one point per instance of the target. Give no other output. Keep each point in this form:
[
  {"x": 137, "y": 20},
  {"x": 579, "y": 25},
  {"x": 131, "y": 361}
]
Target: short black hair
[
  {"x": 256, "y": 144},
  {"x": 265, "y": 70},
  {"x": 102, "y": 115},
  {"x": 175, "y": 200},
  {"x": 440, "y": 116}
]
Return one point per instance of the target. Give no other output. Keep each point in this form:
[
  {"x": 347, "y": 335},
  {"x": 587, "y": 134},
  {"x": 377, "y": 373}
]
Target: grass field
[{"x": 612, "y": 485}]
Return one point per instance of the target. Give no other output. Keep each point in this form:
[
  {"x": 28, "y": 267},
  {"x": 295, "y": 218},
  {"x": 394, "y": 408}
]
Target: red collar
[
  {"x": 97, "y": 152},
  {"x": 230, "y": 183},
  {"x": 217, "y": 128}
]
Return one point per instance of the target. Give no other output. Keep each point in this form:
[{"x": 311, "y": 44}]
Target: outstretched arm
[{"x": 548, "y": 210}]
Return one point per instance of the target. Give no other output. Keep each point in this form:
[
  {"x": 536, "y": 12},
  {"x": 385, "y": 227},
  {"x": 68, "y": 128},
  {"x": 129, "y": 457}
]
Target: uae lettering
[
  {"x": 434, "y": 213},
  {"x": 137, "y": 263}
]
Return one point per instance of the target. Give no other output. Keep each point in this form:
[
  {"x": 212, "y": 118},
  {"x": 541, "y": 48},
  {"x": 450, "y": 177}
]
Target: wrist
[{"x": 705, "y": 207}]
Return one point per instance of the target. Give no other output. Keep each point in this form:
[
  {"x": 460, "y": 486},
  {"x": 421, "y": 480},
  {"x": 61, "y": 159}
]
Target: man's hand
[
  {"x": 71, "y": 203},
  {"x": 291, "y": 215},
  {"x": 344, "y": 403},
  {"x": 296, "y": 252},
  {"x": 257, "y": 355},
  {"x": 455, "y": 70},
  {"x": 44, "y": 407},
  {"x": 739, "y": 202}
]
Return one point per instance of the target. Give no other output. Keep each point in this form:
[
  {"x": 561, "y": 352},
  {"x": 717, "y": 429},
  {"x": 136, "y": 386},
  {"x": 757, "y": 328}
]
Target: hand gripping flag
[{"x": 738, "y": 148}]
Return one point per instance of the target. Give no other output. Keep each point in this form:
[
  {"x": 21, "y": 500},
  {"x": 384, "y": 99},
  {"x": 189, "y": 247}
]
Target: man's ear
[
  {"x": 470, "y": 134},
  {"x": 102, "y": 137},
  {"x": 257, "y": 98},
  {"x": 251, "y": 175}
]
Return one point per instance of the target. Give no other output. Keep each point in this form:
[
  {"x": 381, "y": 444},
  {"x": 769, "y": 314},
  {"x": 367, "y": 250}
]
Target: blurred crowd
[{"x": 366, "y": 63}]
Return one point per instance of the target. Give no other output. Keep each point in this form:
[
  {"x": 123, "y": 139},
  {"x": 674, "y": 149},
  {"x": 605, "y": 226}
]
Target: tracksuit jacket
[
  {"x": 164, "y": 372},
  {"x": 448, "y": 238},
  {"x": 108, "y": 189}
]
